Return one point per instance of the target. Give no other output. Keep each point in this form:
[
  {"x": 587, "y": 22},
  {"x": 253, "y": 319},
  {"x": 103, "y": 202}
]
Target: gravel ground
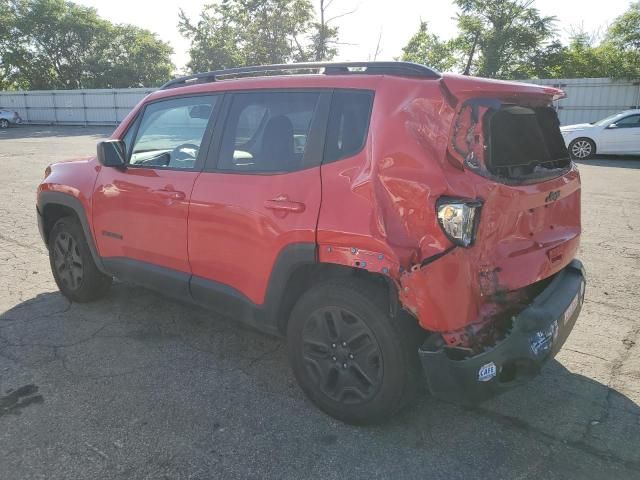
[{"x": 136, "y": 386}]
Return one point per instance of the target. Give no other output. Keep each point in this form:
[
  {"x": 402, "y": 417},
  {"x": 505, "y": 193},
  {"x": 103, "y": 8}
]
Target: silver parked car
[{"x": 9, "y": 117}]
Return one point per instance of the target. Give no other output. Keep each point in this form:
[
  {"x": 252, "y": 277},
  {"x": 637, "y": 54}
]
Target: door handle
[
  {"x": 283, "y": 204},
  {"x": 171, "y": 194}
]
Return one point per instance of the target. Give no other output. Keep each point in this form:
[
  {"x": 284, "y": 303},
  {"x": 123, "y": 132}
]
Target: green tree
[
  {"x": 624, "y": 32},
  {"x": 500, "y": 34},
  {"x": 546, "y": 61},
  {"x": 58, "y": 44},
  {"x": 323, "y": 41},
  {"x": 133, "y": 57},
  {"x": 247, "y": 32},
  {"x": 6, "y": 30},
  {"x": 496, "y": 38},
  {"x": 621, "y": 47},
  {"x": 582, "y": 59},
  {"x": 427, "y": 48}
]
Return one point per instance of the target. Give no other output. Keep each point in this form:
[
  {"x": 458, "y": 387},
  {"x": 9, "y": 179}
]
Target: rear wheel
[
  {"x": 352, "y": 359},
  {"x": 4, "y": 123},
  {"x": 74, "y": 270},
  {"x": 582, "y": 148}
]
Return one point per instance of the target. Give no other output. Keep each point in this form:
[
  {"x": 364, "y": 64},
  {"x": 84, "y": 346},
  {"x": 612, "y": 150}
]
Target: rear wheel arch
[{"x": 304, "y": 276}]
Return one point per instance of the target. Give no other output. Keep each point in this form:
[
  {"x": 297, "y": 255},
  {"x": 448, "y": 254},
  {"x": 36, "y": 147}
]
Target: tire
[
  {"x": 582, "y": 148},
  {"x": 74, "y": 270},
  {"x": 4, "y": 123},
  {"x": 375, "y": 372}
]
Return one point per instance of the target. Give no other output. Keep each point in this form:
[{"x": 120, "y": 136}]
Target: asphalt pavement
[{"x": 136, "y": 386}]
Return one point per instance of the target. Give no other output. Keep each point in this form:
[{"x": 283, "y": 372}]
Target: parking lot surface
[{"x": 137, "y": 386}]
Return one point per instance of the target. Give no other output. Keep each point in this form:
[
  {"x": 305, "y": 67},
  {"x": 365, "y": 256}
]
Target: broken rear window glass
[{"x": 524, "y": 142}]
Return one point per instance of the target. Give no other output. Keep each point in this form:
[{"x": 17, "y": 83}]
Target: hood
[{"x": 577, "y": 126}]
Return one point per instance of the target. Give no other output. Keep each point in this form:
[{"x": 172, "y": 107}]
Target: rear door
[
  {"x": 140, "y": 212},
  {"x": 260, "y": 192}
]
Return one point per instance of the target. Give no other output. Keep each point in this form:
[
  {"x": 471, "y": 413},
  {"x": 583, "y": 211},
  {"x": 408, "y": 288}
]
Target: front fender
[{"x": 47, "y": 199}]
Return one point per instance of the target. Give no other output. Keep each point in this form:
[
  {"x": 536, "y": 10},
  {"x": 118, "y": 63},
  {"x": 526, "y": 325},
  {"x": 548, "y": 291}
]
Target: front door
[
  {"x": 624, "y": 137},
  {"x": 261, "y": 196},
  {"x": 140, "y": 212}
]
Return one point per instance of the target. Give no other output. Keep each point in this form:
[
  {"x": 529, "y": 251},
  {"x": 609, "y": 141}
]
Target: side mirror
[
  {"x": 111, "y": 153},
  {"x": 613, "y": 125}
]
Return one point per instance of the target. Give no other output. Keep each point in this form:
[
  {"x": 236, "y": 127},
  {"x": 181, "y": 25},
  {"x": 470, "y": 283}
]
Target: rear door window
[
  {"x": 348, "y": 123},
  {"x": 267, "y": 131}
]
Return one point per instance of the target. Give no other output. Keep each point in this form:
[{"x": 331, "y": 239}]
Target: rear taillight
[{"x": 459, "y": 219}]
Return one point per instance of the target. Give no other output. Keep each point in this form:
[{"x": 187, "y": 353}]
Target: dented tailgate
[
  {"x": 529, "y": 227},
  {"x": 526, "y": 233}
]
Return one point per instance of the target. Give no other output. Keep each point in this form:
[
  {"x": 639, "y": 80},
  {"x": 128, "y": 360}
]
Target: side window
[
  {"x": 267, "y": 131},
  {"x": 171, "y": 132},
  {"x": 629, "y": 122},
  {"x": 348, "y": 124}
]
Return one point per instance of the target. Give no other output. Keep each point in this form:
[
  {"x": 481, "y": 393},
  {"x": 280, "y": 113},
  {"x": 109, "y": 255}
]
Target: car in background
[
  {"x": 8, "y": 118},
  {"x": 615, "y": 134}
]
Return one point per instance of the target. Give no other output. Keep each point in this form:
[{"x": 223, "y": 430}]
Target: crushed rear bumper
[{"x": 537, "y": 334}]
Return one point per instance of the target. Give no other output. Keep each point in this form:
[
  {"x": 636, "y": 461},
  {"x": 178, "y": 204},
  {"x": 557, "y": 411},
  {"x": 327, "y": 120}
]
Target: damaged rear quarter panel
[
  {"x": 382, "y": 200},
  {"x": 378, "y": 211}
]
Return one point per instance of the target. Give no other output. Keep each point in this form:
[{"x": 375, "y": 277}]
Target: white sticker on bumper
[{"x": 487, "y": 372}]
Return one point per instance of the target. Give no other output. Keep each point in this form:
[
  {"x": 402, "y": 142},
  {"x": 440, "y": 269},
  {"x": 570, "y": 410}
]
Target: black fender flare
[{"x": 58, "y": 198}]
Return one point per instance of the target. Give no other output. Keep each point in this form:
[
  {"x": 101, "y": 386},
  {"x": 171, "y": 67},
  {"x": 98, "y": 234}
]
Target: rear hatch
[
  {"x": 509, "y": 133},
  {"x": 505, "y": 138}
]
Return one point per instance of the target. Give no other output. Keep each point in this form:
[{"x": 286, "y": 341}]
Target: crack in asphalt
[
  {"x": 585, "y": 353},
  {"x": 17, "y": 399},
  {"x": 28, "y": 246}
]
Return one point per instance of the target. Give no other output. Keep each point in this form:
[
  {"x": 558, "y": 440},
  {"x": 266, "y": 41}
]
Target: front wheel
[
  {"x": 74, "y": 270},
  {"x": 582, "y": 149},
  {"x": 351, "y": 358},
  {"x": 4, "y": 123}
]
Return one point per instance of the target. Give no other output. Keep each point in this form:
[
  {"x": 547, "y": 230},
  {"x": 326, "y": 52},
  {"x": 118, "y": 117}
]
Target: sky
[{"x": 394, "y": 21}]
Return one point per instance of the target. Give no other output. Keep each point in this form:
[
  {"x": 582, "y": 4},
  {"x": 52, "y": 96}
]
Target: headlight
[{"x": 458, "y": 219}]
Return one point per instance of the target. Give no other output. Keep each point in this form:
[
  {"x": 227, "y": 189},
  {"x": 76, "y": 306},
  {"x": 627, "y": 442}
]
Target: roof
[{"x": 404, "y": 69}]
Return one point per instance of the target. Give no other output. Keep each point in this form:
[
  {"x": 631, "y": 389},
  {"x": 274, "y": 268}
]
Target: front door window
[{"x": 171, "y": 132}]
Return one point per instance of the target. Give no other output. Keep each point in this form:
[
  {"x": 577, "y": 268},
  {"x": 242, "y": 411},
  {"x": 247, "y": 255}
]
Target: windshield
[{"x": 606, "y": 120}]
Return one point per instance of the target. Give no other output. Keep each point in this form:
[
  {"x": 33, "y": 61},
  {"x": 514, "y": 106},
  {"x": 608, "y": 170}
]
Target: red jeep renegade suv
[{"x": 394, "y": 223}]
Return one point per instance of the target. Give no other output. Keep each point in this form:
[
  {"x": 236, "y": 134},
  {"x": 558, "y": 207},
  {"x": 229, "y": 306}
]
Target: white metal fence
[
  {"x": 589, "y": 99},
  {"x": 74, "y": 107}
]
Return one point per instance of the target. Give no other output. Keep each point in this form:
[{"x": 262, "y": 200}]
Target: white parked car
[{"x": 616, "y": 134}]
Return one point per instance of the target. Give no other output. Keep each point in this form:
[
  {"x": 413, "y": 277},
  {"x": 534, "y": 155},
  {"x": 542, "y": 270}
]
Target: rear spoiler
[{"x": 463, "y": 87}]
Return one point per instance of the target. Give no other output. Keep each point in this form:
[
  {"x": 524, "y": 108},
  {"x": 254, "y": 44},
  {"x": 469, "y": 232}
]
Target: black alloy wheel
[
  {"x": 351, "y": 356},
  {"x": 342, "y": 355},
  {"x": 68, "y": 261},
  {"x": 72, "y": 263}
]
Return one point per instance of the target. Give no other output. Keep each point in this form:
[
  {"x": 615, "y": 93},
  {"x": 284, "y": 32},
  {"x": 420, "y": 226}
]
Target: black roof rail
[{"x": 403, "y": 69}]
